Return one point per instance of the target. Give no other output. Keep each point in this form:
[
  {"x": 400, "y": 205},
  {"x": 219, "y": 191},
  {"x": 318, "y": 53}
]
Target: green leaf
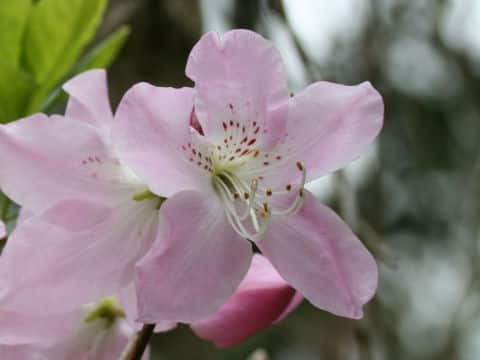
[
  {"x": 15, "y": 88},
  {"x": 13, "y": 17},
  {"x": 56, "y": 35},
  {"x": 102, "y": 55}
]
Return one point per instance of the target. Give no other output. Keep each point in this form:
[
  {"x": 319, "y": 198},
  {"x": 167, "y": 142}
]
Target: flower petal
[
  {"x": 151, "y": 126},
  {"x": 240, "y": 76},
  {"x": 20, "y": 329},
  {"x": 44, "y": 160},
  {"x": 64, "y": 263},
  {"x": 320, "y": 256},
  {"x": 3, "y": 230},
  {"x": 128, "y": 301},
  {"x": 89, "y": 100},
  {"x": 195, "y": 264},
  {"x": 330, "y": 125},
  {"x": 260, "y": 300}
]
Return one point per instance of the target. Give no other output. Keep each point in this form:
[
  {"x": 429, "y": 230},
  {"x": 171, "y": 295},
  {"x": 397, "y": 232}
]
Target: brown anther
[
  {"x": 299, "y": 166},
  {"x": 256, "y": 153},
  {"x": 301, "y": 192},
  {"x": 246, "y": 196},
  {"x": 288, "y": 187},
  {"x": 269, "y": 192},
  {"x": 265, "y": 207},
  {"x": 235, "y": 195}
]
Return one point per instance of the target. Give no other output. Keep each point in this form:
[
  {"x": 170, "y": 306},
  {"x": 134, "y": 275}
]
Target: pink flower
[
  {"x": 3, "y": 230},
  {"x": 262, "y": 299},
  {"x": 96, "y": 331},
  {"x": 91, "y": 218},
  {"x": 238, "y": 173}
]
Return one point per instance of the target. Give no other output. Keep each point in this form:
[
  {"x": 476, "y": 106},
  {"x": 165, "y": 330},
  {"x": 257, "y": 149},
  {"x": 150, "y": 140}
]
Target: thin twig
[{"x": 137, "y": 345}]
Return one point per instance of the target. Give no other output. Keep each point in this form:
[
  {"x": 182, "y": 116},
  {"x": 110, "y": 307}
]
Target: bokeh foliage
[{"x": 42, "y": 43}]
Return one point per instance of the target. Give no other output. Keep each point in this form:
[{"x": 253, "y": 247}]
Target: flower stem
[{"x": 137, "y": 345}]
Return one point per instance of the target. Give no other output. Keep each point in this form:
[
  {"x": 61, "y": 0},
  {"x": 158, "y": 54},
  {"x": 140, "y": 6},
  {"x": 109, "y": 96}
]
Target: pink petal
[
  {"x": 330, "y": 125},
  {"x": 64, "y": 261},
  {"x": 320, "y": 256},
  {"x": 20, "y": 329},
  {"x": 21, "y": 352},
  {"x": 45, "y": 160},
  {"x": 3, "y": 230},
  {"x": 261, "y": 298},
  {"x": 151, "y": 126},
  {"x": 195, "y": 264},
  {"x": 292, "y": 305},
  {"x": 89, "y": 100},
  {"x": 111, "y": 345},
  {"x": 239, "y": 77},
  {"x": 128, "y": 302}
]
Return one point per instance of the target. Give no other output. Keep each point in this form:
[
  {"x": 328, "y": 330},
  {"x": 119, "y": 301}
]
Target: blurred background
[{"x": 412, "y": 199}]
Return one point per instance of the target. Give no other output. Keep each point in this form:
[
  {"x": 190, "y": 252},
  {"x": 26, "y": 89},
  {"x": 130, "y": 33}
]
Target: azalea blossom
[
  {"x": 235, "y": 173},
  {"x": 3, "y": 230},
  {"x": 95, "y": 331},
  {"x": 262, "y": 299},
  {"x": 91, "y": 218}
]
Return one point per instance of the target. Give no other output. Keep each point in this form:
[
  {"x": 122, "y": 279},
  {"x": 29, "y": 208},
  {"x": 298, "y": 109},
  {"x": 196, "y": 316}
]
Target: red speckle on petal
[
  {"x": 251, "y": 142},
  {"x": 224, "y": 125}
]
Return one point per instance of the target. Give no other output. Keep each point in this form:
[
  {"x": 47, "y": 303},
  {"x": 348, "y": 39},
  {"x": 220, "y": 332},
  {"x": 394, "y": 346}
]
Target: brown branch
[{"x": 136, "y": 347}]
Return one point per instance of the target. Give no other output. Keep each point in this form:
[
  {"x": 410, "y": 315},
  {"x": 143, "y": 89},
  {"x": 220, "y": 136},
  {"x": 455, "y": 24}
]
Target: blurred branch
[
  {"x": 311, "y": 67},
  {"x": 139, "y": 342}
]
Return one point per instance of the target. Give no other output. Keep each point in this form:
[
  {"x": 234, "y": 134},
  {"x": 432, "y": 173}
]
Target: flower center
[{"x": 249, "y": 204}]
